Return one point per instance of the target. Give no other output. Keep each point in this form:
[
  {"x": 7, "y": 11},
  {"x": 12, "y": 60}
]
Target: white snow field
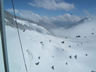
[{"x": 47, "y": 53}]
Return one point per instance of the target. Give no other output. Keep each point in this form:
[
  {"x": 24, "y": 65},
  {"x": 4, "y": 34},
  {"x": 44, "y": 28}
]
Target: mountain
[
  {"x": 23, "y": 24},
  {"x": 75, "y": 52}
]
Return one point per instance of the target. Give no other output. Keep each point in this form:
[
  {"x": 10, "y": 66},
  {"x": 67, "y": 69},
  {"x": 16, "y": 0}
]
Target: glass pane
[
  {"x": 1, "y": 57},
  {"x": 1, "y": 51},
  {"x": 52, "y": 35}
]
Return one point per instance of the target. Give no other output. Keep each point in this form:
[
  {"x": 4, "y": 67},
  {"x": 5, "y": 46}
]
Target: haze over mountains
[{"x": 68, "y": 21}]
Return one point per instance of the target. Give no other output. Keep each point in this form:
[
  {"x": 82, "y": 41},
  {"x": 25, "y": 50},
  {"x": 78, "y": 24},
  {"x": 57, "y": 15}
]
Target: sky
[
  {"x": 59, "y": 13},
  {"x": 47, "y": 7}
]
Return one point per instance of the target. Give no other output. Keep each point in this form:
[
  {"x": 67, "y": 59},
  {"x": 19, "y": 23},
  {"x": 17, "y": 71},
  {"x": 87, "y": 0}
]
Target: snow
[
  {"x": 47, "y": 50},
  {"x": 6, "y": 20},
  {"x": 21, "y": 21},
  {"x": 33, "y": 26}
]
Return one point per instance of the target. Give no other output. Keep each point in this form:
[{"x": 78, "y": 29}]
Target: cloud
[
  {"x": 65, "y": 20},
  {"x": 11, "y": 10},
  {"x": 87, "y": 12},
  {"x": 30, "y": 15},
  {"x": 57, "y": 25},
  {"x": 52, "y": 4},
  {"x": 27, "y": 14}
]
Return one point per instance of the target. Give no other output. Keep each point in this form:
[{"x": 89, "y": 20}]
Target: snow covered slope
[
  {"x": 24, "y": 24},
  {"x": 32, "y": 26},
  {"x": 47, "y": 53}
]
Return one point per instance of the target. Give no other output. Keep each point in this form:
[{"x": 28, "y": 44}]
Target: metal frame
[{"x": 3, "y": 38}]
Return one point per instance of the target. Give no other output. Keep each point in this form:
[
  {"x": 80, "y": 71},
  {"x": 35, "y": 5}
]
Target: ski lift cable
[{"x": 14, "y": 13}]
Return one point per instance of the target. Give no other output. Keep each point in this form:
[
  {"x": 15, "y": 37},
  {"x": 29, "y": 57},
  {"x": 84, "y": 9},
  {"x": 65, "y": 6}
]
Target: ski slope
[{"x": 47, "y": 53}]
